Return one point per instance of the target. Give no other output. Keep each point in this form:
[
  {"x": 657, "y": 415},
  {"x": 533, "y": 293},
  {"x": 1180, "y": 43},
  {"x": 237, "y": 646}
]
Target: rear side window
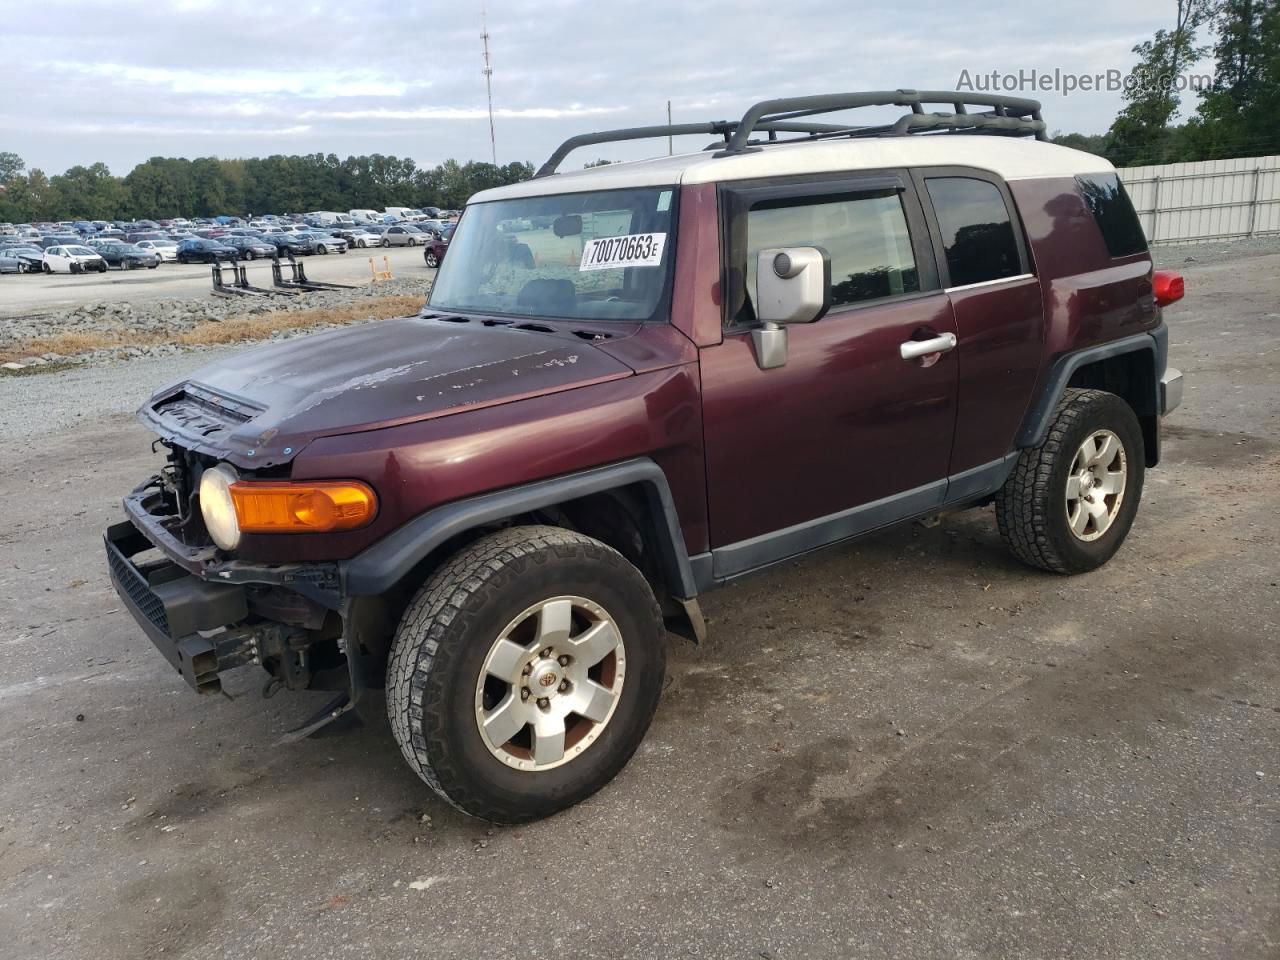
[
  {"x": 1106, "y": 199},
  {"x": 977, "y": 231},
  {"x": 865, "y": 235}
]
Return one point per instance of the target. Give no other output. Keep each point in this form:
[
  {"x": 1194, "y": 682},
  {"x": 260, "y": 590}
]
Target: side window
[
  {"x": 865, "y": 235},
  {"x": 1106, "y": 199},
  {"x": 977, "y": 232}
]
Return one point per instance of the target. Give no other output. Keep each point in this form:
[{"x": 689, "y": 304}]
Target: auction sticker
[{"x": 631, "y": 250}]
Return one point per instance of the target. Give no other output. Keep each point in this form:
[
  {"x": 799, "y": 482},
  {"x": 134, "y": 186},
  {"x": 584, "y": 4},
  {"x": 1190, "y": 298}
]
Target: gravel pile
[{"x": 173, "y": 317}]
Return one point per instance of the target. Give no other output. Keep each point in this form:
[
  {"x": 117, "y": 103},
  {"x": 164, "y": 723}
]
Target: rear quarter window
[
  {"x": 1112, "y": 210},
  {"x": 977, "y": 231}
]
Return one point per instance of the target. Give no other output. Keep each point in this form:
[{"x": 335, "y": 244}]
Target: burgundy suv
[{"x": 639, "y": 381}]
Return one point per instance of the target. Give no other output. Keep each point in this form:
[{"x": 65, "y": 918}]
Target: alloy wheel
[
  {"x": 1095, "y": 485},
  {"x": 550, "y": 683}
]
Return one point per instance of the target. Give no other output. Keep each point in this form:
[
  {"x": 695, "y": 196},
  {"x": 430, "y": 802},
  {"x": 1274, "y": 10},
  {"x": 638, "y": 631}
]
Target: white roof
[{"x": 1011, "y": 158}]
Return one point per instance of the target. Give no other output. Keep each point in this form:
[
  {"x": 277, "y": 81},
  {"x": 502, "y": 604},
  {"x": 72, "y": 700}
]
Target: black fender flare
[
  {"x": 1035, "y": 424},
  {"x": 385, "y": 564}
]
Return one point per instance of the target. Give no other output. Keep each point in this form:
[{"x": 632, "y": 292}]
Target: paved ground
[
  {"x": 28, "y": 293},
  {"x": 911, "y": 747}
]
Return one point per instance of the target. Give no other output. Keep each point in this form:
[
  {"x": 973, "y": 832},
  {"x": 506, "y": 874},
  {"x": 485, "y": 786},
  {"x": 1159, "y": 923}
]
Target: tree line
[
  {"x": 209, "y": 186},
  {"x": 1236, "y": 115}
]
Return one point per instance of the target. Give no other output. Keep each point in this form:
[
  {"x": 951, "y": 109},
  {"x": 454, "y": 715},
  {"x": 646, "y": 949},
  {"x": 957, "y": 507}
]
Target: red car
[
  {"x": 433, "y": 253},
  {"x": 633, "y": 384}
]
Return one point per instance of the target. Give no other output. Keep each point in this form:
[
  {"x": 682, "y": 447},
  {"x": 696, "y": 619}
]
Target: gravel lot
[
  {"x": 909, "y": 747},
  {"x": 26, "y": 294}
]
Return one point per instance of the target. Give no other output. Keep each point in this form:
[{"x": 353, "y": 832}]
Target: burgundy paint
[
  {"x": 844, "y": 422},
  {"x": 1001, "y": 331}
]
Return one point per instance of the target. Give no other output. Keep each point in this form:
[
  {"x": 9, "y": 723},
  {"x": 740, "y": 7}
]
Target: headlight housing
[{"x": 218, "y": 507}]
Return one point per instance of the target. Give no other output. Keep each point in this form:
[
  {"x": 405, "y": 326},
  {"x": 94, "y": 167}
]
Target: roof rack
[{"x": 1007, "y": 116}]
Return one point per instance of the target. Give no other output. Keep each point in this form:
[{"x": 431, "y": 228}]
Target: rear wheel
[
  {"x": 525, "y": 672},
  {"x": 46, "y": 268},
  {"x": 1070, "y": 501},
  {"x": 432, "y": 259}
]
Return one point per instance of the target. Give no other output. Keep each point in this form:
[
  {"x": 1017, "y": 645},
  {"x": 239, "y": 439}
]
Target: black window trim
[
  {"x": 738, "y": 196},
  {"x": 922, "y": 174}
]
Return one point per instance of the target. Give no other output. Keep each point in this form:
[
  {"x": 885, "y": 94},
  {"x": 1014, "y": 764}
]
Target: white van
[
  {"x": 368, "y": 216},
  {"x": 402, "y": 213},
  {"x": 331, "y": 219}
]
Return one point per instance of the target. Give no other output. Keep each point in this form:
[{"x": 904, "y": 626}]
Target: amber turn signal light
[{"x": 303, "y": 507}]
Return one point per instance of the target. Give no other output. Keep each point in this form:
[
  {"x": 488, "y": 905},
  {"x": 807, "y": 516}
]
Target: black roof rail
[{"x": 1007, "y": 116}]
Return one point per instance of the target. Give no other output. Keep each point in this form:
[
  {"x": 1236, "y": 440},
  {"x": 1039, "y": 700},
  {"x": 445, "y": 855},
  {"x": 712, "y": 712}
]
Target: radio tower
[{"x": 488, "y": 82}]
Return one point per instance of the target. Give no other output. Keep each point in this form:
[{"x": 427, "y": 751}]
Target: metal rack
[{"x": 1004, "y": 116}]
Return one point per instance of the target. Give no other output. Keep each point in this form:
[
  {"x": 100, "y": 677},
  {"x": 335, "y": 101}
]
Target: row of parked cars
[{"x": 86, "y": 246}]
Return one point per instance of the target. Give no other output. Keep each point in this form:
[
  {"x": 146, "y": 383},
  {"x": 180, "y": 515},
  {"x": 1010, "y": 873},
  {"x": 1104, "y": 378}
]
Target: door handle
[{"x": 915, "y": 349}]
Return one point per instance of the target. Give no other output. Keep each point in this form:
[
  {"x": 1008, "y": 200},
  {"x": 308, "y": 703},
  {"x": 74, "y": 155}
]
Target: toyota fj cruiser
[{"x": 634, "y": 383}]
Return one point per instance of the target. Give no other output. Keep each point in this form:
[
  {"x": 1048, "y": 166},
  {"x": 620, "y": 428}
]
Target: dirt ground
[{"x": 907, "y": 747}]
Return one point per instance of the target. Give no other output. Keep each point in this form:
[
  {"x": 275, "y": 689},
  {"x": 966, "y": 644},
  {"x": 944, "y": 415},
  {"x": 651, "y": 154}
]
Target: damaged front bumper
[{"x": 198, "y": 609}]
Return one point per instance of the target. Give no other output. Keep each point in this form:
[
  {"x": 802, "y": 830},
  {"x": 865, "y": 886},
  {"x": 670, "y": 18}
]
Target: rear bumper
[{"x": 1170, "y": 391}]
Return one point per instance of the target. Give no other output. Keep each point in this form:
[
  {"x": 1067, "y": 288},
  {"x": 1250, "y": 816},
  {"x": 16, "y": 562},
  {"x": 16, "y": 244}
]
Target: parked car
[
  {"x": 433, "y": 253},
  {"x": 357, "y": 236},
  {"x": 166, "y": 250},
  {"x": 250, "y": 248},
  {"x": 200, "y": 250},
  {"x": 148, "y": 234},
  {"x": 20, "y": 259},
  {"x": 326, "y": 242},
  {"x": 71, "y": 258},
  {"x": 404, "y": 234},
  {"x": 291, "y": 243},
  {"x": 127, "y": 256},
  {"x": 58, "y": 240},
  {"x": 493, "y": 553}
]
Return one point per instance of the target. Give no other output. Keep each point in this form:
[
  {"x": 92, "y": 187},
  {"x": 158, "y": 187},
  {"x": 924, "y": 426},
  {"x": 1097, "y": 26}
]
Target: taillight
[
  {"x": 302, "y": 507},
  {"x": 1168, "y": 286}
]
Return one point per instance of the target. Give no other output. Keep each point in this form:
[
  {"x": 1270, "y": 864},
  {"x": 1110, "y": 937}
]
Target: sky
[{"x": 123, "y": 81}]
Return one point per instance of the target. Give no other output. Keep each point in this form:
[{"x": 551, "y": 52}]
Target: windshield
[{"x": 591, "y": 256}]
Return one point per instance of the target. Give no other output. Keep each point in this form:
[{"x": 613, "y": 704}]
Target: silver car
[
  {"x": 405, "y": 235},
  {"x": 21, "y": 260}
]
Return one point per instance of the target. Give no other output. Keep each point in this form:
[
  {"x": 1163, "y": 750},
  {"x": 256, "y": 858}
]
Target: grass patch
[
  {"x": 32, "y": 371},
  {"x": 212, "y": 332}
]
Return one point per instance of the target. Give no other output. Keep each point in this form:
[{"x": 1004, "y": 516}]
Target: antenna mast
[{"x": 488, "y": 82}]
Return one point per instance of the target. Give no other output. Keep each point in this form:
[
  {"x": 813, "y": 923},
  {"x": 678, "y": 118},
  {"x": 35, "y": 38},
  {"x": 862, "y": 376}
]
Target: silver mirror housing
[{"x": 793, "y": 284}]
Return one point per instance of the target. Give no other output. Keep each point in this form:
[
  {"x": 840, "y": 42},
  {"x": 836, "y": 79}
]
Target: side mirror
[{"x": 793, "y": 285}]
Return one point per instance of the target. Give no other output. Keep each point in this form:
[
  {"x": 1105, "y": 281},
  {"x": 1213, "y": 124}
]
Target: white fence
[{"x": 1206, "y": 200}]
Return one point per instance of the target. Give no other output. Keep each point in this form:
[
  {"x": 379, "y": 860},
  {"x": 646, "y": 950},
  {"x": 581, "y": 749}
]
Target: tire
[
  {"x": 386, "y": 242},
  {"x": 413, "y": 242},
  {"x": 46, "y": 268},
  {"x": 443, "y": 644},
  {"x": 432, "y": 260},
  {"x": 1035, "y": 508},
  {"x": 321, "y": 248}
]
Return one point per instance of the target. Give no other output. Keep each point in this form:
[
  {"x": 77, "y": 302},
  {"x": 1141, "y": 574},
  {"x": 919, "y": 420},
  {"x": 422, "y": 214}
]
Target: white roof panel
[{"x": 1012, "y": 158}]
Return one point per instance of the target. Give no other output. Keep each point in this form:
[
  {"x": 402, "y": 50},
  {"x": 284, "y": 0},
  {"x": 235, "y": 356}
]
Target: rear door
[
  {"x": 999, "y": 310},
  {"x": 846, "y": 435}
]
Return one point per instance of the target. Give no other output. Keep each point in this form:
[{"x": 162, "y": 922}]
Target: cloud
[{"x": 136, "y": 78}]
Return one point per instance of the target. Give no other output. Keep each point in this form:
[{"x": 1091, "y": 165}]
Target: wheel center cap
[{"x": 545, "y": 679}]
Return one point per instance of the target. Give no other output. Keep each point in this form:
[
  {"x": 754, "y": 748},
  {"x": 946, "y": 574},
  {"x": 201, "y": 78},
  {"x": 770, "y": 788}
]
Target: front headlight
[{"x": 218, "y": 507}]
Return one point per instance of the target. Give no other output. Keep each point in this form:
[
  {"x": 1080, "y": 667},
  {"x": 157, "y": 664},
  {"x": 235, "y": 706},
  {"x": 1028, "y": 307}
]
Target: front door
[{"x": 846, "y": 435}]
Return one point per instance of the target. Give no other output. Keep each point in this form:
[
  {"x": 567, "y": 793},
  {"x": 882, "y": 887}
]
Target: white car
[
  {"x": 166, "y": 250},
  {"x": 71, "y": 258},
  {"x": 361, "y": 237}
]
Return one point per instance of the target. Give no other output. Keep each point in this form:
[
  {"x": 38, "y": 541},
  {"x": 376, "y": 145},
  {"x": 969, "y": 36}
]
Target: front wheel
[
  {"x": 1070, "y": 501},
  {"x": 432, "y": 260},
  {"x": 525, "y": 672},
  {"x": 322, "y": 249},
  {"x": 413, "y": 242}
]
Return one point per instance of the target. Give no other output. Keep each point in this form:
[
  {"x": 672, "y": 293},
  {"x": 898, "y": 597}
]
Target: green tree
[{"x": 1140, "y": 133}]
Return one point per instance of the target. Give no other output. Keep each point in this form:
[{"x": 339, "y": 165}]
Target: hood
[{"x": 261, "y": 407}]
